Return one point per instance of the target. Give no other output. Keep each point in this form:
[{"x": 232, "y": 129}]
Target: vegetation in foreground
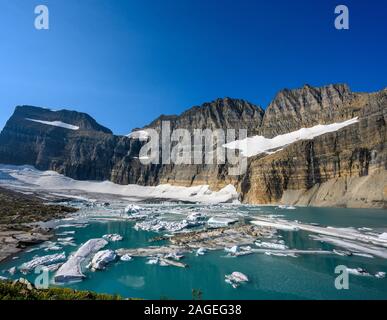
[{"x": 25, "y": 291}]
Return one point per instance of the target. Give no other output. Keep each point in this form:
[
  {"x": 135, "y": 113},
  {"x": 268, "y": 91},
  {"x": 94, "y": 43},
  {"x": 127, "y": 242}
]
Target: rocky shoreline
[{"x": 20, "y": 221}]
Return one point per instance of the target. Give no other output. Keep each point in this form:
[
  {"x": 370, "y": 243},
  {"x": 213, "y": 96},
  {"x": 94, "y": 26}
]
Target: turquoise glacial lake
[{"x": 271, "y": 277}]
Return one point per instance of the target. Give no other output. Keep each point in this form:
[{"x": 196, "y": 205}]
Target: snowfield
[
  {"x": 259, "y": 144},
  {"x": 29, "y": 177},
  {"x": 55, "y": 124}
]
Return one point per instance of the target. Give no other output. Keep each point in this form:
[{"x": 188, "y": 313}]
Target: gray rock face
[
  {"x": 308, "y": 106},
  {"x": 94, "y": 153},
  {"x": 85, "y": 153},
  {"x": 224, "y": 113},
  {"x": 342, "y": 168}
]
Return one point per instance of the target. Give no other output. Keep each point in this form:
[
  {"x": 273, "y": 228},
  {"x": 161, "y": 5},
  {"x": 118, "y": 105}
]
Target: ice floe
[
  {"x": 53, "y": 248},
  {"x": 357, "y": 246},
  {"x": 280, "y": 254},
  {"x": 271, "y": 245},
  {"x": 53, "y": 267},
  {"x": 12, "y": 271},
  {"x": 342, "y": 253},
  {"x": 276, "y": 225},
  {"x": 358, "y": 272},
  {"x": 126, "y": 257},
  {"x": 220, "y": 221},
  {"x": 201, "y": 251},
  {"x": 72, "y": 225},
  {"x": 196, "y": 217},
  {"x": 42, "y": 261},
  {"x": 286, "y": 207},
  {"x": 65, "y": 233},
  {"x": 359, "y": 254},
  {"x": 112, "y": 237},
  {"x": 365, "y": 273},
  {"x": 233, "y": 249},
  {"x": 71, "y": 270},
  {"x": 174, "y": 255},
  {"x": 236, "y": 278},
  {"x": 348, "y": 238},
  {"x": 153, "y": 261},
  {"x": 383, "y": 236},
  {"x": 132, "y": 208},
  {"x": 67, "y": 239},
  {"x": 101, "y": 259},
  {"x": 158, "y": 225}
]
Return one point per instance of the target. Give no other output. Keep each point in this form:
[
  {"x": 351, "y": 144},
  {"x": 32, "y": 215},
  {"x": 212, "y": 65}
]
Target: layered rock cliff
[{"x": 341, "y": 168}]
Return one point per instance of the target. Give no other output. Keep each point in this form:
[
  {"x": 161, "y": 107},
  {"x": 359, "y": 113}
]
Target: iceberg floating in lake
[
  {"x": 286, "y": 207},
  {"x": 132, "y": 208},
  {"x": 220, "y": 221},
  {"x": 101, "y": 259},
  {"x": 153, "y": 261},
  {"x": 358, "y": 272},
  {"x": 270, "y": 245},
  {"x": 112, "y": 237},
  {"x": 196, "y": 217},
  {"x": 201, "y": 251},
  {"x": 236, "y": 278},
  {"x": 71, "y": 270},
  {"x": 42, "y": 261},
  {"x": 174, "y": 255},
  {"x": 233, "y": 249},
  {"x": 126, "y": 257},
  {"x": 159, "y": 225},
  {"x": 12, "y": 271}
]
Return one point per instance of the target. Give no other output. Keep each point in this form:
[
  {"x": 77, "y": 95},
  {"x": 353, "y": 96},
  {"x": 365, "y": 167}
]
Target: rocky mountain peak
[
  {"x": 307, "y": 106},
  {"x": 310, "y": 97},
  {"x": 25, "y": 114},
  {"x": 220, "y": 113}
]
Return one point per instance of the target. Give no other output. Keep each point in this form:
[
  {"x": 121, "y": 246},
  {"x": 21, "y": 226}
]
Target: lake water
[{"x": 271, "y": 277}]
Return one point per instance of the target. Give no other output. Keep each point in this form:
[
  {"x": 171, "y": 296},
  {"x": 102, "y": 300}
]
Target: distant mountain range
[{"x": 346, "y": 167}]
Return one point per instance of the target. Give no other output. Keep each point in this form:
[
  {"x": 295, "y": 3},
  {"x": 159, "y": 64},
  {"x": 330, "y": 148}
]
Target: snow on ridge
[
  {"x": 259, "y": 144},
  {"x": 56, "y": 124},
  {"x": 141, "y": 135},
  {"x": 30, "y": 177}
]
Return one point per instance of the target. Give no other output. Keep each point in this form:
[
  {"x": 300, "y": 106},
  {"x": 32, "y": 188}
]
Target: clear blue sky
[{"x": 125, "y": 62}]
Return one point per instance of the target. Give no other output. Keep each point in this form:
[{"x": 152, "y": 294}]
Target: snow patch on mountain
[
  {"x": 55, "y": 124},
  {"x": 259, "y": 144}
]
